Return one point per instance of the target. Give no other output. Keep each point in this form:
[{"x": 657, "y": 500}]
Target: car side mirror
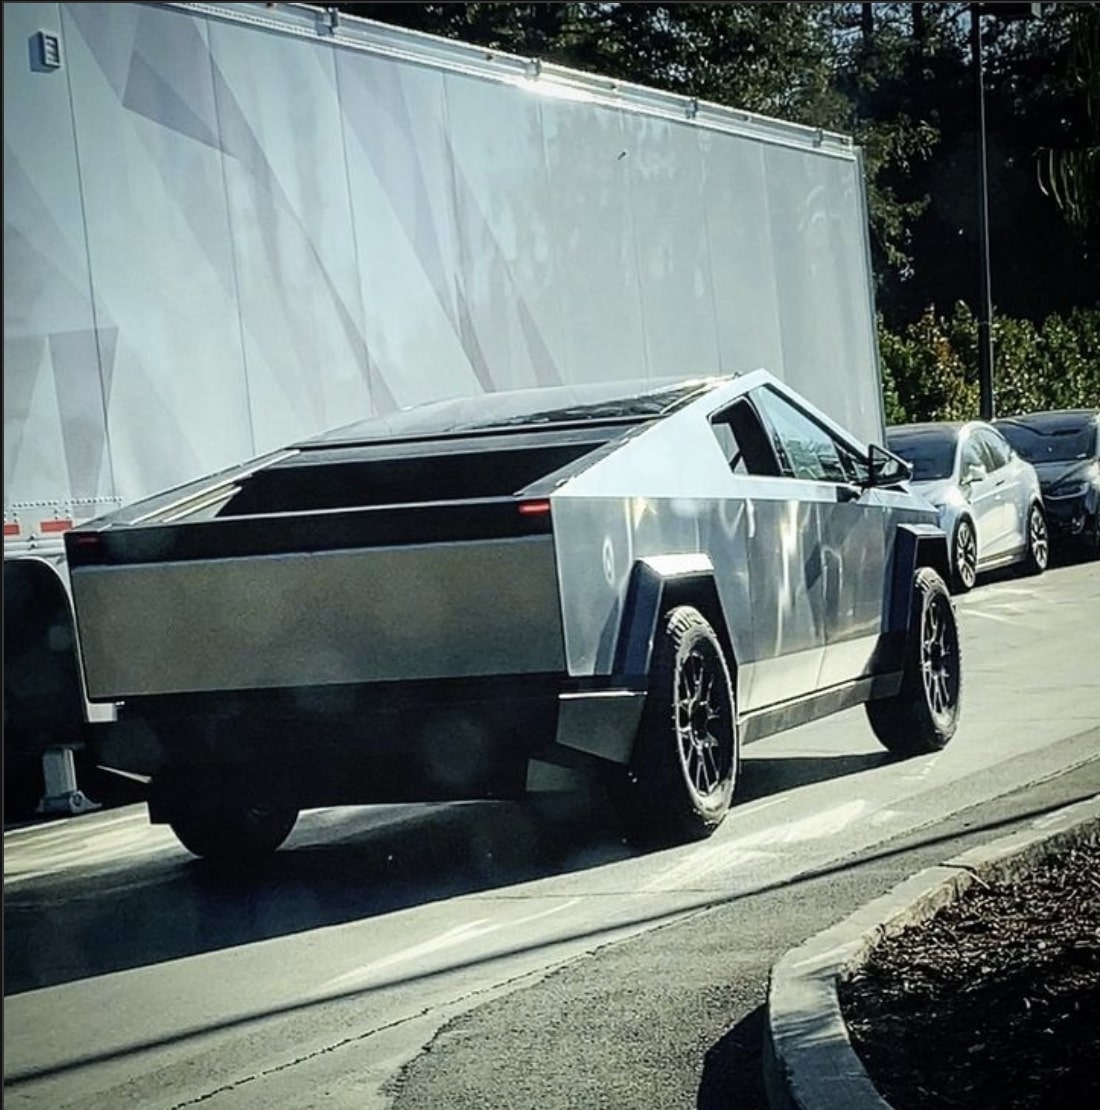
[
  {"x": 975, "y": 472},
  {"x": 885, "y": 468}
]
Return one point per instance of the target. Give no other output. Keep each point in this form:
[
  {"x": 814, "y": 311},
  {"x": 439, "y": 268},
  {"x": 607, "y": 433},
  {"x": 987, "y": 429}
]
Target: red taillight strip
[{"x": 533, "y": 508}]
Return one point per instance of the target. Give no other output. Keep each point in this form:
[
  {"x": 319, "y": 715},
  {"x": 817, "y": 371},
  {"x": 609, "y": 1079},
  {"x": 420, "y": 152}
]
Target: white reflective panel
[
  {"x": 821, "y": 266},
  {"x": 741, "y": 254},
  {"x": 595, "y": 252},
  {"x": 667, "y": 194},
  {"x": 54, "y": 431},
  {"x": 508, "y": 283},
  {"x": 293, "y": 243},
  {"x": 407, "y": 242},
  {"x": 158, "y": 245}
]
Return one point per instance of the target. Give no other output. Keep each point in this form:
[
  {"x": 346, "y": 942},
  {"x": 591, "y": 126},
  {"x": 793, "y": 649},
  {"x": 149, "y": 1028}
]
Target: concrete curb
[{"x": 809, "y": 1062}]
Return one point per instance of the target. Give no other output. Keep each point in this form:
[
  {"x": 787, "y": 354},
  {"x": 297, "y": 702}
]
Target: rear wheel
[
  {"x": 220, "y": 815},
  {"x": 923, "y": 715},
  {"x": 964, "y": 556},
  {"x": 680, "y": 781},
  {"x": 1038, "y": 543}
]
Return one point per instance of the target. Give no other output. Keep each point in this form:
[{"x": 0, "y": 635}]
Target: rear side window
[{"x": 994, "y": 448}]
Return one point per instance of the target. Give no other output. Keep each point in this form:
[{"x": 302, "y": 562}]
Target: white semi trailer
[{"x": 231, "y": 226}]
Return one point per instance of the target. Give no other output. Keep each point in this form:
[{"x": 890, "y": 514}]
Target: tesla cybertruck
[{"x": 634, "y": 578}]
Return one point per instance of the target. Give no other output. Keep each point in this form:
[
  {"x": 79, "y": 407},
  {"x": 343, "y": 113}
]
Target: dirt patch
[{"x": 994, "y": 1002}]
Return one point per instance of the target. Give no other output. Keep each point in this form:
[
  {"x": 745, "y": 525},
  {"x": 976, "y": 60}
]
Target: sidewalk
[{"x": 809, "y": 1062}]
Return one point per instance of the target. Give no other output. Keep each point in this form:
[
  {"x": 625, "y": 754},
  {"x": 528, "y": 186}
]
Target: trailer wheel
[
  {"x": 222, "y": 817},
  {"x": 679, "y": 784},
  {"x": 921, "y": 717}
]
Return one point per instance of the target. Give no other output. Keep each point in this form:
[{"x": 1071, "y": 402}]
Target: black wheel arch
[
  {"x": 652, "y": 592},
  {"x": 915, "y": 546}
]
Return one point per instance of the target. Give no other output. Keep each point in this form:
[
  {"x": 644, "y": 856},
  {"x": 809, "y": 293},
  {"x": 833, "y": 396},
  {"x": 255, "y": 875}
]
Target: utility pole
[
  {"x": 985, "y": 294},
  {"x": 1004, "y": 12}
]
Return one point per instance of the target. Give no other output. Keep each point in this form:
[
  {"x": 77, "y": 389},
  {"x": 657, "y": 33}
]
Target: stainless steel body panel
[
  {"x": 359, "y": 616},
  {"x": 800, "y": 566},
  {"x": 535, "y": 637}
]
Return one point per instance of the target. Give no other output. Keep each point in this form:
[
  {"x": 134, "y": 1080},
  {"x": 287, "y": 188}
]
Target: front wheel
[
  {"x": 922, "y": 716},
  {"x": 679, "y": 784},
  {"x": 964, "y": 554},
  {"x": 1038, "y": 543}
]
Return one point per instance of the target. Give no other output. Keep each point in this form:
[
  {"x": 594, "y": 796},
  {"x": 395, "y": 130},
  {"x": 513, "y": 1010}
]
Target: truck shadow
[{"x": 339, "y": 866}]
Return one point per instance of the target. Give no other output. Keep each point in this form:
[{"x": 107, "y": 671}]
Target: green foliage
[{"x": 930, "y": 367}]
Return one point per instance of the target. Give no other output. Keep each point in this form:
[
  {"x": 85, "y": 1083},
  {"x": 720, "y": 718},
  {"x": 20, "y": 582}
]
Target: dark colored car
[{"x": 1064, "y": 448}]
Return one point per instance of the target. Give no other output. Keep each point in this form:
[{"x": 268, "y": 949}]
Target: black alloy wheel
[
  {"x": 922, "y": 716},
  {"x": 680, "y": 782}
]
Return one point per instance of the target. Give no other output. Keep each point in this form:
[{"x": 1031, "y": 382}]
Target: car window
[
  {"x": 972, "y": 455},
  {"x": 744, "y": 440},
  {"x": 806, "y": 449},
  {"x": 931, "y": 456},
  {"x": 994, "y": 448}
]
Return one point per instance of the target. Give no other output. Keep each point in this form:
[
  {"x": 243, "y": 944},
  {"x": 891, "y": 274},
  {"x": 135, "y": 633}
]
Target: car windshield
[
  {"x": 1055, "y": 444},
  {"x": 931, "y": 456}
]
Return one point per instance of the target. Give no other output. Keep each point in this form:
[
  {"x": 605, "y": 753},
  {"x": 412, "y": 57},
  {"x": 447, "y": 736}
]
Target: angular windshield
[
  {"x": 932, "y": 456},
  {"x": 1053, "y": 444}
]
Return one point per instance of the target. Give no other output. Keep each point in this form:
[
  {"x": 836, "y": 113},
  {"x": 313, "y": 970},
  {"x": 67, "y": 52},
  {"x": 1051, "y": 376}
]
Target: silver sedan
[{"x": 989, "y": 499}]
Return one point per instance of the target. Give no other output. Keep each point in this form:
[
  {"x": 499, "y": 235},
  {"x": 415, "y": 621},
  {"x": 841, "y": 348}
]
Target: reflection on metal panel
[{"x": 439, "y": 611}]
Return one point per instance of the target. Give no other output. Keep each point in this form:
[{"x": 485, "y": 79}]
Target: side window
[
  {"x": 995, "y": 449},
  {"x": 806, "y": 450},
  {"x": 972, "y": 455},
  {"x": 744, "y": 441}
]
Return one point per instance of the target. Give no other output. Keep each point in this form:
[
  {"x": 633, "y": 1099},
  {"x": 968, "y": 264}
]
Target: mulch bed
[{"x": 994, "y": 1002}]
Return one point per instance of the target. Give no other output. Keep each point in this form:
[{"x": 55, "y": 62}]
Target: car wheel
[
  {"x": 922, "y": 716},
  {"x": 680, "y": 782},
  {"x": 1038, "y": 542},
  {"x": 220, "y": 816},
  {"x": 964, "y": 559}
]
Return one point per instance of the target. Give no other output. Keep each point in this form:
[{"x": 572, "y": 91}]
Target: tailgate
[{"x": 356, "y": 615}]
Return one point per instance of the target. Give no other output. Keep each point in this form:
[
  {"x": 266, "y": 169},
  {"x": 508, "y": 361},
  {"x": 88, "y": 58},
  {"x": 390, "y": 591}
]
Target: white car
[{"x": 989, "y": 499}]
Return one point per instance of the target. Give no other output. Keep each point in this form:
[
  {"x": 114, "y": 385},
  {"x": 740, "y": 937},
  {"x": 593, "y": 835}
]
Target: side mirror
[
  {"x": 975, "y": 472},
  {"x": 885, "y": 468}
]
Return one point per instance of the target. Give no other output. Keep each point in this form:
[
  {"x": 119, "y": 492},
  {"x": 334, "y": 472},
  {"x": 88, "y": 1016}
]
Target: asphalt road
[{"x": 485, "y": 955}]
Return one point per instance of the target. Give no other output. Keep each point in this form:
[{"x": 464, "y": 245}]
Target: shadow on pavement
[
  {"x": 733, "y": 1070},
  {"x": 91, "y": 917}
]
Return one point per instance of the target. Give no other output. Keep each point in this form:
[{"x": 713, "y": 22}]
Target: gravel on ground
[{"x": 994, "y": 1002}]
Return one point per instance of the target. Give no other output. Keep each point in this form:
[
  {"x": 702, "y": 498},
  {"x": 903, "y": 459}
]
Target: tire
[
  {"x": 1038, "y": 541},
  {"x": 964, "y": 556},
  {"x": 922, "y": 716},
  {"x": 222, "y": 817},
  {"x": 680, "y": 782}
]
